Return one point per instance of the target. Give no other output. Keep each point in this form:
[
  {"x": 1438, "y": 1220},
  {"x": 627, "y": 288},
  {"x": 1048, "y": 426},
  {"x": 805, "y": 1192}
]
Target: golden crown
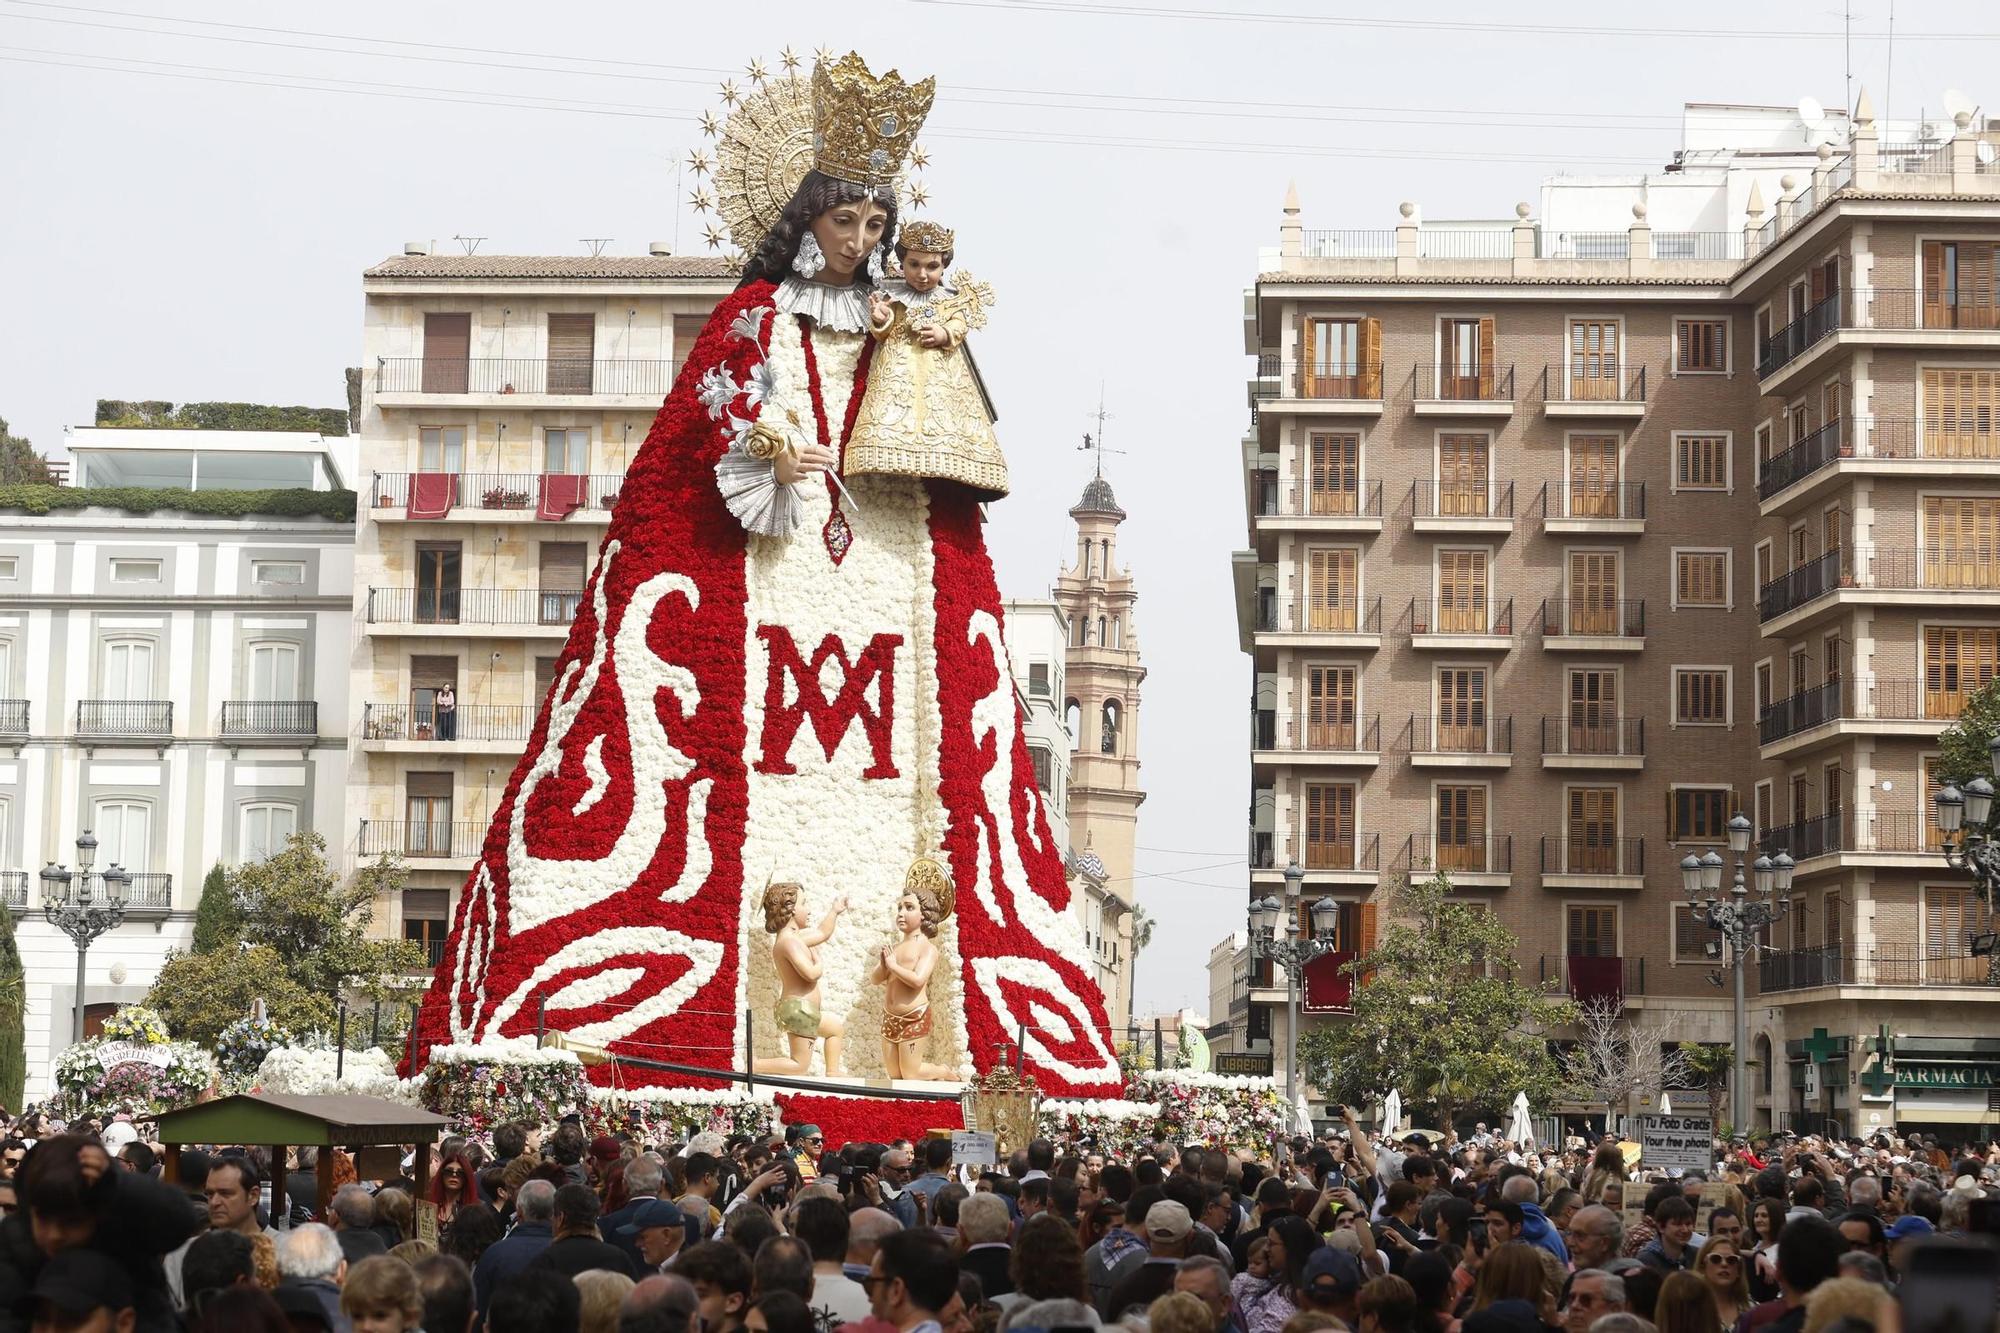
[
  {"x": 863, "y": 126},
  {"x": 923, "y": 234}
]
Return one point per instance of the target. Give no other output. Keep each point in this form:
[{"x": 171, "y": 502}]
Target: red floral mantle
[{"x": 868, "y": 1119}]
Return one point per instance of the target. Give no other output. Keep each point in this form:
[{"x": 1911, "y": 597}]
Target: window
[
  {"x": 1038, "y": 680},
  {"x": 1692, "y": 938},
  {"x": 572, "y": 343},
  {"x": 1959, "y": 290},
  {"x": 565, "y": 451},
  {"x": 438, "y": 566},
  {"x": 1073, "y": 722},
  {"x": 1593, "y": 932},
  {"x": 291, "y": 572},
  {"x": 441, "y": 449},
  {"x": 1701, "y": 462},
  {"x": 1330, "y": 697},
  {"x": 1340, "y": 358},
  {"x": 124, "y": 832},
  {"x": 1461, "y": 580},
  {"x": 425, "y": 921},
  {"x": 10, "y": 566},
  {"x": 1045, "y": 769},
  {"x": 427, "y": 814},
  {"x": 1592, "y": 832},
  {"x": 1951, "y": 915},
  {"x": 1701, "y": 346},
  {"x": 1593, "y": 712},
  {"x": 1593, "y": 359},
  {"x": 1462, "y": 490},
  {"x": 1334, "y": 481},
  {"x": 1461, "y": 828},
  {"x": 1958, "y": 659},
  {"x": 1701, "y": 696},
  {"x": 1107, "y": 739},
  {"x": 135, "y": 571},
  {"x": 1698, "y": 814},
  {"x": 1701, "y": 578},
  {"x": 1961, "y": 413},
  {"x": 264, "y": 829},
  {"x": 128, "y": 669},
  {"x": 274, "y": 671},
  {"x": 1461, "y": 721},
  {"x": 1334, "y": 580},
  {"x": 447, "y": 352},
  {"x": 1330, "y": 826},
  {"x": 1593, "y": 593},
  {"x": 1798, "y": 422},
  {"x": 1593, "y": 477},
  {"x": 1961, "y": 542},
  {"x": 1467, "y": 370}
]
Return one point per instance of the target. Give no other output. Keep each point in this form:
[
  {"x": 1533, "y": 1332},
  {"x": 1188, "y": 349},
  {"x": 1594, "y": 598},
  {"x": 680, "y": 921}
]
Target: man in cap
[
  {"x": 80, "y": 1291},
  {"x": 659, "y": 1228},
  {"x": 1332, "y": 1278},
  {"x": 1167, "y": 1227}
]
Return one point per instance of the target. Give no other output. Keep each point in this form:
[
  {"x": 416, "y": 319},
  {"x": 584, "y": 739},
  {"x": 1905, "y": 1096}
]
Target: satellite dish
[
  {"x": 1810, "y": 111},
  {"x": 1956, "y": 101}
]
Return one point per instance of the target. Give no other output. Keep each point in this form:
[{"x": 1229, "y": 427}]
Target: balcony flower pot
[
  {"x": 1847, "y": 580},
  {"x": 506, "y": 388},
  {"x": 1847, "y": 451}
]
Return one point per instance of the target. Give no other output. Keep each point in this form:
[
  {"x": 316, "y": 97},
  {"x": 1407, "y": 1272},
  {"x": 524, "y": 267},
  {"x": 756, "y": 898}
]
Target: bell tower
[{"x": 1101, "y": 710}]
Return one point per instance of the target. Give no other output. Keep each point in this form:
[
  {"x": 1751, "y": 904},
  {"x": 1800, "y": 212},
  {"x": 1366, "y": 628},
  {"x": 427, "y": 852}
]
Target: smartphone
[{"x": 1950, "y": 1286}]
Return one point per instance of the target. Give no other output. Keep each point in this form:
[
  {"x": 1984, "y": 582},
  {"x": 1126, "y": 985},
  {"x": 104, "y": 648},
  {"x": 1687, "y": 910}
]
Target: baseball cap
[
  {"x": 1908, "y": 1225},
  {"x": 1331, "y": 1272},
  {"x": 1167, "y": 1220},
  {"x": 77, "y": 1281},
  {"x": 604, "y": 1148},
  {"x": 654, "y": 1213}
]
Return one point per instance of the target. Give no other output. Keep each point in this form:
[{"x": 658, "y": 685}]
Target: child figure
[{"x": 925, "y": 413}]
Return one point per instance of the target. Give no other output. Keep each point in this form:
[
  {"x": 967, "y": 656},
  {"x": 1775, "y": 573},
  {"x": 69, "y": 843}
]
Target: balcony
[
  {"x": 1483, "y": 742},
  {"x": 1594, "y": 624},
  {"x": 1594, "y": 509},
  {"x": 270, "y": 719},
  {"x": 1908, "y": 965},
  {"x": 472, "y": 612},
  {"x": 1593, "y": 861},
  {"x": 1942, "y": 577},
  {"x": 416, "y": 728},
  {"x": 448, "y": 844},
  {"x": 1608, "y": 744},
  {"x": 125, "y": 718},
  {"x": 1474, "y": 862},
  {"x": 150, "y": 894},
  {"x": 1792, "y": 341},
  {"x": 14, "y": 889},
  {"x": 416, "y": 381},
  {"x": 13, "y": 717},
  {"x": 1361, "y": 853},
  {"x": 1590, "y": 387},
  {"x": 1880, "y": 317},
  {"x": 1456, "y": 507},
  {"x": 1460, "y": 624},
  {"x": 1861, "y": 705},
  {"x": 1305, "y": 508},
  {"x": 1461, "y": 391},
  {"x": 1335, "y": 621},
  {"x": 1263, "y": 850},
  {"x": 495, "y": 497},
  {"x": 1865, "y": 837},
  {"x": 1323, "y": 388},
  {"x": 1587, "y": 977},
  {"x": 1941, "y": 444},
  {"x": 1355, "y": 741}
]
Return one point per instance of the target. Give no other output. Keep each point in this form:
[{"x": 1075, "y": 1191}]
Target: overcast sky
[{"x": 191, "y": 191}]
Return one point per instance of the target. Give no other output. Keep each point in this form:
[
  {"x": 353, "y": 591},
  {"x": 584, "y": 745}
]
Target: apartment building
[
  {"x": 1570, "y": 536},
  {"x": 176, "y": 684},
  {"x": 502, "y": 398}
]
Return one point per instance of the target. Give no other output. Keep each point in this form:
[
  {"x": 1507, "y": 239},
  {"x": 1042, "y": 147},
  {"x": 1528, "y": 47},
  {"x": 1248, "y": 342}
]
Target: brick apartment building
[{"x": 1571, "y": 535}]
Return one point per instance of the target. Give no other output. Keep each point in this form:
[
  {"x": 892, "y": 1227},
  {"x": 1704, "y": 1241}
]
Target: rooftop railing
[{"x": 505, "y": 375}]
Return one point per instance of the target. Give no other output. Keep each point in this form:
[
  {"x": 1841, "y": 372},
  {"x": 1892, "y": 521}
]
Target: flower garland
[
  {"x": 868, "y": 1119},
  {"x": 481, "y": 1087},
  {"x": 1114, "y": 1126},
  {"x": 675, "y": 1115},
  {"x": 100, "y": 1076}
]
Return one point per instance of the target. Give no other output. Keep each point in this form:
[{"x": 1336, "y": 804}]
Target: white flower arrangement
[
  {"x": 1221, "y": 1082},
  {"x": 1101, "y": 1109},
  {"x": 305, "y": 1072},
  {"x": 502, "y": 1051}
]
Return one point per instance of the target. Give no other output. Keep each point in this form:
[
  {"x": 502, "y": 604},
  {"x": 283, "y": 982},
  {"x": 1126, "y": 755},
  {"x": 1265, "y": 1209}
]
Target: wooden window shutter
[
  {"x": 1367, "y": 927},
  {"x": 1486, "y": 367},
  {"x": 1937, "y": 296},
  {"x": 572, "y": 344},
  {"x": 1976, "y": 304},
  {"x": 1308, "y": 332},
  {"x": 1371, "y": 359}
]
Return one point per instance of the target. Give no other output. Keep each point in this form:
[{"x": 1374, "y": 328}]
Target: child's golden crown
[
  {"x": 863, "y": 126},
  {"x": 923, "y": 234}
]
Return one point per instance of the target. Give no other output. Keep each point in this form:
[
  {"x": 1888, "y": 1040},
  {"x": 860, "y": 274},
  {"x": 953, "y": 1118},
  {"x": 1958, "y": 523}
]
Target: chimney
[
  {"x": 659, "y": 249},
  {"x": 416, "y": 247}
]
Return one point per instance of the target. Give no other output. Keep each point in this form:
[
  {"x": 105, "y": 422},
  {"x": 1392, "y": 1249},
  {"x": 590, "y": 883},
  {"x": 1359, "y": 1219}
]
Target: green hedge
[
  {"x": 153, "y": 414},
  {"x": 292, "y": 503}
]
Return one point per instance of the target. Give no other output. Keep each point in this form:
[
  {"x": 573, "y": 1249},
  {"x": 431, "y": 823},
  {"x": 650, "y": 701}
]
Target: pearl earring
[{"x": 810, "y": 259}]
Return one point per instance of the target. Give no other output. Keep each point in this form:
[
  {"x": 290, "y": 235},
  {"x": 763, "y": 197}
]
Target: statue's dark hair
[{"x": 816, "y": 193}]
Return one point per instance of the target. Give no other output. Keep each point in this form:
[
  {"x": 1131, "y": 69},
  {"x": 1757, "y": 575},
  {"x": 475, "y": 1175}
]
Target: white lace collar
[
  {"x": 842, "y": 309},
  {"x": 898, "y": 290}
]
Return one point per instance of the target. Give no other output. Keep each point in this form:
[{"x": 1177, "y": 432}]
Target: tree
[
  {"x": 303, "y": 943},
  {"x": 1613, "y": 1061},
  {"x": 20, "y": 465},
  {"x": 13, "y": 1017},
  {"x": 1438, "y": 1015},
  {"x": 1714, "y": 1066},
  {"x": 1142, "y": 935},
  {"x": 1962, "y": 752},
  {"x": 218, "y": 921}
]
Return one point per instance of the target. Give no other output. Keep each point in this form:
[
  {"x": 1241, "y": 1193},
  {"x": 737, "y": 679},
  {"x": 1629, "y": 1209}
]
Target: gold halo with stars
[{"x": 762, "y": 148}]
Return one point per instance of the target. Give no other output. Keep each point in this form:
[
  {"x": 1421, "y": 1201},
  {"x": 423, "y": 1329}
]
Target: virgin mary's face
[{"x": 846, "y": 233}]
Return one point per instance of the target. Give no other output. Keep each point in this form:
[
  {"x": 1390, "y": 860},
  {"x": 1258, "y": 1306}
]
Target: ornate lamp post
[
  {"x": 73, "y": 904},
  {"x": 1972, "y": 846},
  {"x": 1292, "y": 954},
  {"x": 1738, "y": 917}
]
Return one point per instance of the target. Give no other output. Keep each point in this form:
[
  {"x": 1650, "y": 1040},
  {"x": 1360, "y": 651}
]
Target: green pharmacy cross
[
  {"x": 1819, "y": 1047},
  {"x": 1877, "y": 1080}
]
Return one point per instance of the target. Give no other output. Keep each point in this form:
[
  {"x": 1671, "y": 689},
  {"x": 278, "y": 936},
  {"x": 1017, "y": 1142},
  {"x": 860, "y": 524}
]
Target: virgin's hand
[{"x": 807, "y": 462}]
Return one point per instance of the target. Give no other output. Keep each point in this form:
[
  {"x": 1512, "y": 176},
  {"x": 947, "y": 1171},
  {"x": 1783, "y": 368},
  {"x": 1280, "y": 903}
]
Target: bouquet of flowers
[
  {"x": 1116, "y": 1126},
  {"x": 1215, "y": 1109},
  {"x": 669, "y": 1115},
  {"x": 241, "y": 1047},
  {"x": 137, "y": 1023},
  {"x": 101, "y": 1076},
  {"x": 490, "y": 1084}
]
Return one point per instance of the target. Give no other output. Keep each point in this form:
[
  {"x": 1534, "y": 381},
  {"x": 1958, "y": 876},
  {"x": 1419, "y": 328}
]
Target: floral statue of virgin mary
[{"x": 780, "y": 672}]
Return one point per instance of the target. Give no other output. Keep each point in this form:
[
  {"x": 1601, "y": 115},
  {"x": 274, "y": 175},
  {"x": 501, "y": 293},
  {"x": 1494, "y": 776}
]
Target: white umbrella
[
  {"x": 1521, "y": 1127},
  {"x": 1666, "y": 1107},
  {"x": 1392, "y": 1111}
]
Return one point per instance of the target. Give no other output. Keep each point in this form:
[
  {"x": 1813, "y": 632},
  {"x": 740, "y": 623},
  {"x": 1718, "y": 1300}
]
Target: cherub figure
[
  {"x": 795, "y": 957},
  {"x": 906, "y": 966}
]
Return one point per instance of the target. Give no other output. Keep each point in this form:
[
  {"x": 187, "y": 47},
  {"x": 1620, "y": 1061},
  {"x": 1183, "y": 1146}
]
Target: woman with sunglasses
[
  {"x": 453, "y": 1188},
  {"x": 1720, "y": 1264}
]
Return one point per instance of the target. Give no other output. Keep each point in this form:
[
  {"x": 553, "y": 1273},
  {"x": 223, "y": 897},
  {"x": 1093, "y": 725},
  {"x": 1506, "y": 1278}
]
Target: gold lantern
[{"x": 1003, "y": 1103}]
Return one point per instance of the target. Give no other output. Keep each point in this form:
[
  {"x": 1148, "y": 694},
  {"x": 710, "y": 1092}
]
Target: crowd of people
[{"x": 1417, "y": 1233}]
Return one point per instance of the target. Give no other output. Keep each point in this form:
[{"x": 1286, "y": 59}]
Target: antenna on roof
[
  {"x": 1095, "y": 442},
  {"x": 471, "y": 243},
  {"x": 596, "y": 244}
]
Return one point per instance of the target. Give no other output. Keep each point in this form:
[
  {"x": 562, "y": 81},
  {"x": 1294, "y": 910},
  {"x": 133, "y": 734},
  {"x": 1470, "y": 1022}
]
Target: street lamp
[
  {"x": 1292, "y": 954},
  {"x": 1738, "y": 918},
  {"x": 1972, "y": 845},
  {"x": 73, "y": 904}
]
